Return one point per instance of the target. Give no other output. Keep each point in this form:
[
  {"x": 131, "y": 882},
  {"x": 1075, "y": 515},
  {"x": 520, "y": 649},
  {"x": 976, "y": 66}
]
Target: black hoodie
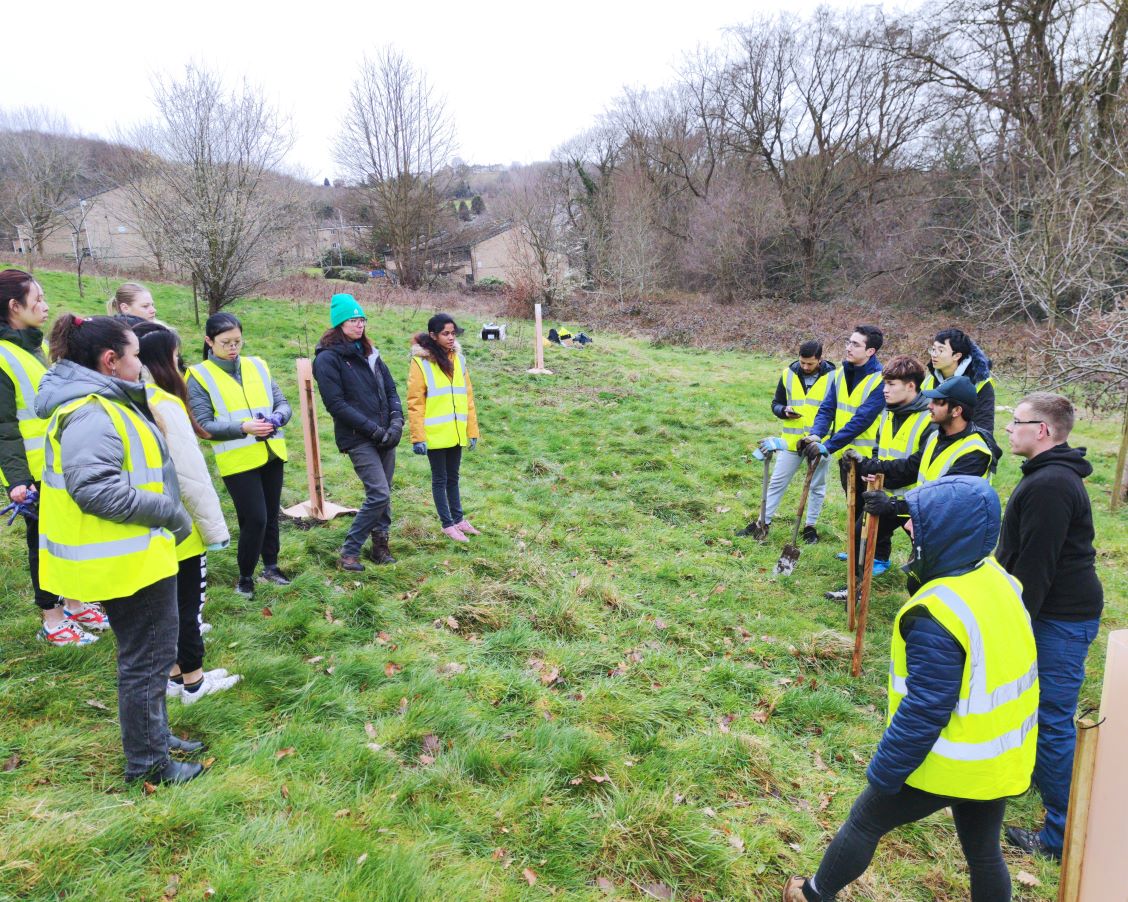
[
  {"x": 1047, "y": 537},
  {"x": 13, "y": 458}
]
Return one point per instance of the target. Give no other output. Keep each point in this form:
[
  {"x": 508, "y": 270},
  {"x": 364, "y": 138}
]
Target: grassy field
[{"x": 605, "y": 695}]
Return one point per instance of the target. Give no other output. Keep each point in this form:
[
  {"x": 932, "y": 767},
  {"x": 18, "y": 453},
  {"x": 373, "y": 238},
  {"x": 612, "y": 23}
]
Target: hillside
[{"x": 604, "y": 693}]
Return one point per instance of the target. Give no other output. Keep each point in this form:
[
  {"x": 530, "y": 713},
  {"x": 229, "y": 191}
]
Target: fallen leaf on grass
[
  {"x": 426, "y": 760},
  {"x": 1027, "y": 879},
  {"x": 209, "y": 892},
  {"x": 657, "y": 891},
  {"x": 329, "y": 616},
  {"x": 824, "y": 801},
  {"x": 12, "y": 763},
  {"x": 723, "y": 723},
  {"x": 375, "y": 746},
  {"x": 208, "y": 762},
  {"x": 363, "y": 858},
  {"x": 391, "y": 669},
  {"x": 736, "y": 842},
  {"x": 316, "y": 659},
  {"x": 402, "y": 709},
  {"x": 795, "y": 846},
  {"x": 266, "y": 612},
  {"x": 606, "y": 886},
  {"x": 432, "y": 744},
  {"x": 819, "y": 763},
  {"x": 530, "y": 876},
  {"x": 660, "y": 624},
  {"x": 370, "y": 730},
  {"x": 498, "y": 854},
  {"x": 576, "y": 781},
  {"x": 342, "y": 812},
  {"x": 599, "y": 778},
  {"x": 172, "y": 887},
  {"x": 383, "y": 638},
  {"x": 551, "y": 677},
  {"x": 284, "y": 753},
  {"x": 451, "y": 668},
  {"x": 94, "y": 703},
  {"x": 149, "y": 788},
  {"x": 285, "y": 792}
]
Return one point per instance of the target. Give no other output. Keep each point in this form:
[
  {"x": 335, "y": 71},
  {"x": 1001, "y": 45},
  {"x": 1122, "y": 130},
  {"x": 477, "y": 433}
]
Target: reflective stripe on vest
[
  {"x": 447, "y": 404},
  {"x": 986, "y": 751},
  {"x": 806, "y": 404},
  {"x": 25, "y": 371},
  {"x": 84, "y": 556},
  {"x": 932, "y": 468},
  {"x": 848, "y": 403},
  {"x": 930, "y": 381},
  {"x": 238, "y": 403},
  {"x": 193, "y": 544}
]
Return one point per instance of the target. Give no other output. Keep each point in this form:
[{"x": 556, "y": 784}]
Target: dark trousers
[
  {"x": 257, "y": 495},
  {"x": 145, "y": 625},
  {"x": 45, "y": 600},
  {"x": 444, "y": 484},
  {"x": 887, "y": 524},
  {"x": 1063, "y": 647},
  {"x": 375, "y": 467},
  {"x": 978, "y": 825},
  {"x": 191, "y": 584}
]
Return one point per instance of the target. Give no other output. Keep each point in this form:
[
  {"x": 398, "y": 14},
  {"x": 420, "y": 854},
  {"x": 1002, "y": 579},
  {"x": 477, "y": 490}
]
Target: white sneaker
[
  {"x": 211, "y": 685},
  {"x": 205, "y": 628},
  {"x": 176, "y": 690}
]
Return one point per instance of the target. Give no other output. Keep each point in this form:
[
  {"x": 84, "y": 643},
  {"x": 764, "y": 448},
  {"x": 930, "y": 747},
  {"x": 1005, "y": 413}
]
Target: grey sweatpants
[{"x": 787, "y": 463}]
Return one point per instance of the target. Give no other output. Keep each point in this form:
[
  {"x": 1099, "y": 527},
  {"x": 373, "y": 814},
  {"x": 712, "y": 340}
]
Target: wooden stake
[
  {"x": 1077, "y": 821},
  {"x": 317, "y": 507},
  {"x": 851, "y": 547},
  {"x": 870, "y": 529},
  {"x": 538, "y": 349}
]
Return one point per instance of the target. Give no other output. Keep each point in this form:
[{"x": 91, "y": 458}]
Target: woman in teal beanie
[{"x": 360, "y": 394}]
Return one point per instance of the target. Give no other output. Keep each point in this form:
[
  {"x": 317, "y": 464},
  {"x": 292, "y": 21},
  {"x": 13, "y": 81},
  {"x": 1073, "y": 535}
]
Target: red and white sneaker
[
  {"x": 91, "y": 617},
  {"x": 66, "y": 633}
]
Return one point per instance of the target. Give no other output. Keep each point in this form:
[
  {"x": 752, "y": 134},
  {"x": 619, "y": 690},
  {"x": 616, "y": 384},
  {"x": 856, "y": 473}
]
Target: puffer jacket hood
[
  {"x": 1060, "y": 456},
  {"x": 916, "y": 405},
  {"x": 67, "y": 381},
  {"x": 417, "y": 350},
  {"x": 956, "y": 524},
  {"x": 825, "y": 366},
  {"x": 977, "y": 367}
]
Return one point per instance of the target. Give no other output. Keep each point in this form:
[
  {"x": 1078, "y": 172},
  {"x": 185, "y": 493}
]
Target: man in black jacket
[
  {"x": 953, "y": 353},
  {"x": 1047, "y": 545}
]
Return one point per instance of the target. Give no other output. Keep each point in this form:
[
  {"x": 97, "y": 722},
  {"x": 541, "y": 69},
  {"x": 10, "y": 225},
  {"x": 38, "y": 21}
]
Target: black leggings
[
  {"x": 257, "y": 494},
  {"x": 44, "y": 599},
  {"x": 444, "y": 484},
  {"x": 191, "y": 584},
  {"x": 978, "y": 825}
]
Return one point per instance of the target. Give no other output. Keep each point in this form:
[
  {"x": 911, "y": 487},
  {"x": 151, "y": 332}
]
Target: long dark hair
[
  {"x": 219, "y": 322},
  {"x": 435, "y": 325},
  {"x": 337, "y": 336},
  {"x": 160, "y": 348},
  {"x": 15, "y": 285},
  {"x": 83, "y": 339}
]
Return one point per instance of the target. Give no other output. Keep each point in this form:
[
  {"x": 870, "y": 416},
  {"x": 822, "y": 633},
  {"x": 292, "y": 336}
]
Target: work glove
[
  {"x": 378, "y": 435},
  {"x": 852, "y": 454},
  {"x": 419, "y": 448},
  {"x": 815, "y": 451},
  {"x": 24, "y": 508},
  {"x": 473, "y": 444},
  {"x": 878, "y": 504},
  {"x": 276, "y": 420},
  {"x": 805, "y": 441},
  {"x": 218, "y": 546},
  {"x": 768, "y": 446}
]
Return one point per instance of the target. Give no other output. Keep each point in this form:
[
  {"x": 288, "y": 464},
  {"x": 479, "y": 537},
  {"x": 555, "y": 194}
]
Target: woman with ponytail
[
  {"x": 442, "y": 418},
  {"x": 110, "y": 521},
  {"x": 22, "y": 365},
  {"x": 168, "y": 401},
  {"x": 133, "y": 303}
]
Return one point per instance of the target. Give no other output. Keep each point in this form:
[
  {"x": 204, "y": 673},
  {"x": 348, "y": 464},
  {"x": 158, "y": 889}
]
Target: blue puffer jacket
[{"x": 955, "y": 526}]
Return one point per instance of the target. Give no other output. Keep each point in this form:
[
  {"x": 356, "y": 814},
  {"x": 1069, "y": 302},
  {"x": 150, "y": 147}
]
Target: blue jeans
[{"x": 1063, "y": 646}]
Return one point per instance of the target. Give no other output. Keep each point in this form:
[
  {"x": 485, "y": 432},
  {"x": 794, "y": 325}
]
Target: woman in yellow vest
[
  {"x": 168, "y": 402},
  {"x": 236, "y": 401},
  {"x": 441, "y": 416},
  {"x": 110, "y": 520},
  {"x": 962, "y": 726},
  {"x": 22, "y": 365}
]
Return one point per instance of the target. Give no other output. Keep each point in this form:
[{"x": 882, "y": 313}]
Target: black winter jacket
[
  {"x": 977, "y": 368},
  {"x": 13, "y": 458},
  {"x": 779, "y": 402},
  {"x": 1047, "y": 537},
  {"x": 900, "y": 473},
  {"x": 363, "y": 401}
]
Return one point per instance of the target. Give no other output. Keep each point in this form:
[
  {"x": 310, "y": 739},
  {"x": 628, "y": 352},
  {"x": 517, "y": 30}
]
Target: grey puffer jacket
[
  {"x": 93, "y": 453},
  {"x": 224, "y": 430}
]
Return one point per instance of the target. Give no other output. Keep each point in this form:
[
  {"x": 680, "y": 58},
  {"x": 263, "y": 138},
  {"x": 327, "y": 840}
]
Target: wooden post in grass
[
  {"x": 851, "y": 544},
  {"x": 538, "y": 349},
  {"x": 870, "y": 529},
  {"x": 1096, "y": 842},
  {"x": 317, "y": 507}
]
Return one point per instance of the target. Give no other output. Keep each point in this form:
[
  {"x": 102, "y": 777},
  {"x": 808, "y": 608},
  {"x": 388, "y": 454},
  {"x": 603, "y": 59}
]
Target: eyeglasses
[
  {"x": 1027, "y": 422},
  {"x": 230, "y": 345},
  {"x": 855, "y": 344}
]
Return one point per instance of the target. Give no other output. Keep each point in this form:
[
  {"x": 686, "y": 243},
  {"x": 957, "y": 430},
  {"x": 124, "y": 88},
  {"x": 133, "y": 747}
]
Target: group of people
[
  {"x": 100, "y": 452},
  {"x": 988, "y": 653}
]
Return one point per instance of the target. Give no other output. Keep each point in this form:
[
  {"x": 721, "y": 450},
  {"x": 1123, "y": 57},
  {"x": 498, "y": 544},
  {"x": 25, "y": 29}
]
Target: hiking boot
[
  {"x": 245, "y": 587},
  {"x": 378, "y": 552},
  {"x": 1030, "y": 841},
  {"x": 272, "y": 574},
  {"x": 793, "y": 890},
  {"x": 66, "y": 633},
  {"x": 755, "y": 529},
  {"x": 810, "y": 535},
  {"x": 91, "y": 617},
  {"x": 455, "y": 533},
  {"x": 350, "y": 562},
  {"x": 173, "y": 772},
  {"x": 466, "y": 529},
  {"x": 188, "y": 746},
  {"x": 209, "y": 685}
]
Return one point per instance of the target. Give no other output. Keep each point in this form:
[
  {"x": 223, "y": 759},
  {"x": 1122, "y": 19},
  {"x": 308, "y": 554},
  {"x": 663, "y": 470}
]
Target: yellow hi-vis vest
[
  {"x": 933, "y": 466},
  {"x": 901, "y": 443},
  {"x": 25, "y": 370},
  {"x": 85, "y": 556},
  {"x": 232, "y": 401},
  {"x": 806, "y": 405},
  {"x": 847, "y": 404},
  {"x": 447, "y": 408},
  {"x": 193, "y": 545},
  {"x": 987, "y": 749},
  {"x": 930, "y": 381}
]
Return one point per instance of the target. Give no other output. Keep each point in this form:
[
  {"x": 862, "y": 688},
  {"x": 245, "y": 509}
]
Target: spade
[{"x": 785, "y": 566}]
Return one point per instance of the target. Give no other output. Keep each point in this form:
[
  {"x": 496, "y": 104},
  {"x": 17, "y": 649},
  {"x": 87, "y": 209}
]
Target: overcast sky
[{"x": 519, "y": 77}]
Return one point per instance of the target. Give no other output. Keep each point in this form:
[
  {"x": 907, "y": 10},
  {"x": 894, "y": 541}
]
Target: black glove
[
  {"x": 378, "y": 435},
  {"x": 869, "y": 466},
  {"x": 815, "y": 452},
  {"x": 879, "y": 504},
  {"x": 851, "y": 454},
  {"x": 393, "y": 435}
]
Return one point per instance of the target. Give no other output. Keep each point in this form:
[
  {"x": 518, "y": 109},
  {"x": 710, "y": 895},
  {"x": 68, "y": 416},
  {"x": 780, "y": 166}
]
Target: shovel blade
[{"x": 785, "y": 566}]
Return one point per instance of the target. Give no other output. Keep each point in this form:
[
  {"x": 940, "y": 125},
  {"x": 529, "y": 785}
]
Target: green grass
[{"x": 624, "y": 693}]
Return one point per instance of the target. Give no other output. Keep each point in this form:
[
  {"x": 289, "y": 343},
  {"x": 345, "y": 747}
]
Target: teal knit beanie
[{"x": 343, "y": 307}]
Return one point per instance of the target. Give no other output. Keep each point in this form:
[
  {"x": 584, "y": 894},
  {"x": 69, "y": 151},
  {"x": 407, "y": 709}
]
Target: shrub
[
  {"x": 346, "y": 256},
  {"x": 347, "y": 273},
  {"x": 477, "y": 205}
]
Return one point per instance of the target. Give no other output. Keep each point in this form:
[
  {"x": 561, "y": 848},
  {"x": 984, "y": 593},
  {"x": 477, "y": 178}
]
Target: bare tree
[
  {"x": 395, "y": 142},
  {"x": 207, "y": 183},
  {"x": 541, "y": 240},
  {"x": 40, "y": 168}
]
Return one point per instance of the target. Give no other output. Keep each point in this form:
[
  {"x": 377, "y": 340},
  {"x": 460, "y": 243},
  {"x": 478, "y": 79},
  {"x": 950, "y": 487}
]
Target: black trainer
[
  {"x": 245, "y": 587},
  {"x": 1029, "y": 841},
  {"x": 173, "y": 772},
  {"x": 274, "y": 575},
  {"x": 810, "y": 535},
  {"x": 188, "y": 746}
]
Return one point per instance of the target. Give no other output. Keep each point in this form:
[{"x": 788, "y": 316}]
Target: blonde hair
[{"x": 127, "y": 294}]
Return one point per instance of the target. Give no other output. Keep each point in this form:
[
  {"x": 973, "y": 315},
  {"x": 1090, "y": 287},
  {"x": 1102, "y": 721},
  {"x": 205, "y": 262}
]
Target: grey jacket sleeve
[
  {"x": 92, "y": 458},
  {"x": 199, "y": 400},
  {"x": 281, "y": 405}
]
